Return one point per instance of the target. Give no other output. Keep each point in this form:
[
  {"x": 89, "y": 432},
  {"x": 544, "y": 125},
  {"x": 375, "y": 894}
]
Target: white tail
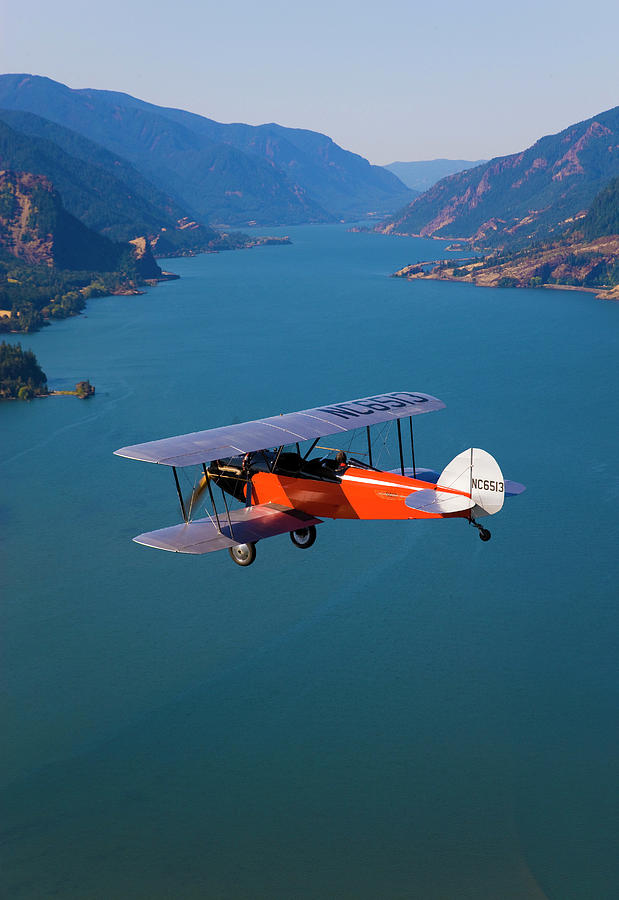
[{"x": 476, "y": 473}]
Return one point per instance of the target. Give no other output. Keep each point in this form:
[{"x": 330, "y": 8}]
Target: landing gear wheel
[
  {"x": 484, "y": 534},
  {"x": 243, "y": 554},
  {"x": 303, "y": 538}
]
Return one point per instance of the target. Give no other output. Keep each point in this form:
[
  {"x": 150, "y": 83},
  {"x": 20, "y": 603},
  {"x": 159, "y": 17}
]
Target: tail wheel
[
  {"x": 484, "y": 534},
  {"x": 243, "y": 554},
  {"x": 303, "y": 538}
]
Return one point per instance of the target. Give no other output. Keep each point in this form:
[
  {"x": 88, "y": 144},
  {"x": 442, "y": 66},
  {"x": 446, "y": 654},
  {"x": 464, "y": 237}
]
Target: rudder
[{"x": 477, "y": 473}]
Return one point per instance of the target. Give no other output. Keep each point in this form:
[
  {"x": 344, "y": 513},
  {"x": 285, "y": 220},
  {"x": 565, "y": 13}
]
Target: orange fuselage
[{"x": 360, "y": 494}]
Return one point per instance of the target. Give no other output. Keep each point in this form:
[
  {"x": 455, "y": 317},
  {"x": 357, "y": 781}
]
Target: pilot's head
[{"x": 340, "y": 458}]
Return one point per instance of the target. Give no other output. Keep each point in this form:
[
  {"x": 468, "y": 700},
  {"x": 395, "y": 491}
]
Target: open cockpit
[{"x": 234, "y": 472}]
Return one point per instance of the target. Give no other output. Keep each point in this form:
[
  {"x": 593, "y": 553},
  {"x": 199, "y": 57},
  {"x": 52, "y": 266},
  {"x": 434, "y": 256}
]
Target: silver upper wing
[{"x": 275, "y": 431}]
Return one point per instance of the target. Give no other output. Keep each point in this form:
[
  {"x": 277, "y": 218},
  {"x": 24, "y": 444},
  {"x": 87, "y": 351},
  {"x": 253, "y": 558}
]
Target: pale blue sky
[{"x": 390, "y": 80}]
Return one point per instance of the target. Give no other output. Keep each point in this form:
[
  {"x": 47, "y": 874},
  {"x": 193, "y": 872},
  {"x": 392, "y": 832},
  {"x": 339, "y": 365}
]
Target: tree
[
  {"x": 84, "y": 389},
  {"x": 19, "y": 368}
]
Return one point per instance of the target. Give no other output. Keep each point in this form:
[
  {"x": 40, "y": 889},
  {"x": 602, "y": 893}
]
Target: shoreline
[
  {"x": 600, "y": 293},
  {"x": 573, "y": 264},
  {"x": 150, "y": 282},
  {"x": 50, "y": 394},
  {"x": 259, "y": 241}
]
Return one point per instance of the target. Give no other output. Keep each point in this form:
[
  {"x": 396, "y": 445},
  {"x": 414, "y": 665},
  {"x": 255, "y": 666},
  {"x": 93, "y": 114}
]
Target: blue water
[{"x": 402, "y": 711}]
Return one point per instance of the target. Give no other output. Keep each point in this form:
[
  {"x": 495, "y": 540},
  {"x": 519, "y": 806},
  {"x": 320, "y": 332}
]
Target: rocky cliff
[{"x": 36, "y": 228}]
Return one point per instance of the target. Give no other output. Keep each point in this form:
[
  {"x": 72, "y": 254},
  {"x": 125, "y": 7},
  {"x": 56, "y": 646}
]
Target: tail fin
[{"x": 476, "y": 473}]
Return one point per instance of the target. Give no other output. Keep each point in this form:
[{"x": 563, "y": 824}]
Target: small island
[{"x": 83, "y": 390}]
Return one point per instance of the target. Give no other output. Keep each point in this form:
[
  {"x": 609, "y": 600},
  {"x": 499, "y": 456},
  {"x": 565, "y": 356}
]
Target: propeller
[
  {"x": 202, "y": 485},
  {"x": 197, "y": 493}
]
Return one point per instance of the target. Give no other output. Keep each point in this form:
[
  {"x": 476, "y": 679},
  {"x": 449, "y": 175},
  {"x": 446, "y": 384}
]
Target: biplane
[{"x": 270, "y": 484}]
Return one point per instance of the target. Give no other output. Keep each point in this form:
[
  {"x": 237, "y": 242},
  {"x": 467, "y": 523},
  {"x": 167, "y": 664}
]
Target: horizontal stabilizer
[
  {"x": 439, "y": 502},
  {"x": 250, "y": 524},
  {"x": 513, "y": 488}
]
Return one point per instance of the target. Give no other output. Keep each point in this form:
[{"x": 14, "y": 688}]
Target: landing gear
[
  {"x": 243, "y": 554},
  {"x": 303, "y": 537},
  {"x": 484, "y": 534}
]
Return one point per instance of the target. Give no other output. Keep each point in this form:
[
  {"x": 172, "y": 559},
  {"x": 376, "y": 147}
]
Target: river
[{"x": 401, "y": 711}]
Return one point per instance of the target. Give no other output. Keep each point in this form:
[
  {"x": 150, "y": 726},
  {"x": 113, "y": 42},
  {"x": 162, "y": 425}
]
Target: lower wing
[{"x": 247, "y": 525}]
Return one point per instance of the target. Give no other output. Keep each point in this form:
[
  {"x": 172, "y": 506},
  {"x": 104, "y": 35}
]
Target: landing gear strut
[{"x": 484, "y": 534}]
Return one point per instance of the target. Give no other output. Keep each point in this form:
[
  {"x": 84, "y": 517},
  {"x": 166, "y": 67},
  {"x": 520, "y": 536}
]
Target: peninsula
[
  {"x": 577, "y": 265},
  {"x": 585, "y": 257}
]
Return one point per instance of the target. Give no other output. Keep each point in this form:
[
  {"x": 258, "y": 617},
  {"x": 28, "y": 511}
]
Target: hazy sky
[{"x": 390, "y": 80}]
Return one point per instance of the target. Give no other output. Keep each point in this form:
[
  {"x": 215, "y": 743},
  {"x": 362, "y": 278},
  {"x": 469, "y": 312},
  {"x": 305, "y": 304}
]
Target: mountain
[
  {"x": 101, "y": 189},
  {"x": 336, "y": 178},
  {"x": 531, "y": 195},
  {"x": 586, "y": 257},
  {"x": 237, "y": 174},
  {"x": 423, "y": 174},
  {"x": 50, "y": 262}
]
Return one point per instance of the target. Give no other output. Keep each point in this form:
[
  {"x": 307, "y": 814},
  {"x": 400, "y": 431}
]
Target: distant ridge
[
  {"x": 223, "y": 174},
  {"x": 512, "y": 200},
  {"x": 423, "y": 174},
  {"x": 101, "y": 189}
]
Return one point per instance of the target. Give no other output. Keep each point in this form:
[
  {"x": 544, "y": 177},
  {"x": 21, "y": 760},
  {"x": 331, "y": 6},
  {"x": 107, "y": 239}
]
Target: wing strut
[
  {"x": 367, "y": 428},
  {"x": 210, "y": 493},
  {"x": 180, "y": 496},
  {"x": 311, "y": 448},
  {"x": 400, "y": 446},
  {"x": 276, "y": 460},
  {"x": 410, "y": 422},
  {"x": 223, "y": 494}
]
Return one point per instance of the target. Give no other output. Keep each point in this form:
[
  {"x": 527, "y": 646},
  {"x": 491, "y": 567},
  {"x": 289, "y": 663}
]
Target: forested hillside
[
  {"x": 50, "y": 262},
  {"x": 101, "y": 189},
  {"x": 603, "y": 217}
]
